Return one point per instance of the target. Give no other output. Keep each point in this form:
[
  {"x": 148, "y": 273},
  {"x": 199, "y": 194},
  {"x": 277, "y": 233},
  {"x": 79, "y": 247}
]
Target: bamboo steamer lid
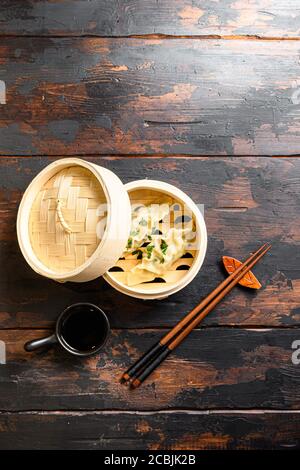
[
  {"x": 72, "y": 223},
  {"x": 64, "y": 217}
]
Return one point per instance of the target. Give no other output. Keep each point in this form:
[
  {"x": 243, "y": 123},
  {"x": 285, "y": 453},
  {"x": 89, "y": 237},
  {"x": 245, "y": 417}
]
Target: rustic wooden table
[{"x": 204, "y": 95}]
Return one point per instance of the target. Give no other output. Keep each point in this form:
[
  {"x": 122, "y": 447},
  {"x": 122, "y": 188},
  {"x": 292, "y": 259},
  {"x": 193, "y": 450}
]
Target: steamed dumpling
[
  {"x": 156, "y": 245},
  {"x": 144, "y": 223},
  {"x": 141, "y": 275},
  {"x": 163, "y": 252}
]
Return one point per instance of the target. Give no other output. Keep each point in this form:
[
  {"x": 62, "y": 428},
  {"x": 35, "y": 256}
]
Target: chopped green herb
[
  {"x": 139, "y": 253},
  {"x": 129, "y": 243},
  {"x": 162, "y": 260},
  {"x": 143, "y": 222},
  {"x": 149, "y": 250},
  {"x": 149, "y": 237},
  {"x": 163, "y": 246}
]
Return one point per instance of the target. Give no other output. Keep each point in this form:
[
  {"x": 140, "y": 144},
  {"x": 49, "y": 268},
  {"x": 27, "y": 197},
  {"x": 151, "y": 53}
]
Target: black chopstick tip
[
  {"x": 124, "y": 379},
  {"x": 135, "y": 384}
]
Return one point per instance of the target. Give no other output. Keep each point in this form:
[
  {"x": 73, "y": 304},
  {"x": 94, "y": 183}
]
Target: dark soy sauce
[{"x": 83, "y": 329}]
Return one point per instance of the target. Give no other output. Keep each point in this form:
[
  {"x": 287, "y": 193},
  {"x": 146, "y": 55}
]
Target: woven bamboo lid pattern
[{"x": 64, "y": 218}]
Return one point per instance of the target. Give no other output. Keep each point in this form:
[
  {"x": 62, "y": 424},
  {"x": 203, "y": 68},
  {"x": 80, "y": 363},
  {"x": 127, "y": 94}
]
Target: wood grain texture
[
  {"x": 133, "y": 17},
  {"x": 214, "y": 368},
  {"x": 246, "y": 201},
  {"x": 154, "y": 431},
  {"x": 137, "y": 96},
  {"x": 237, "y": 387}
]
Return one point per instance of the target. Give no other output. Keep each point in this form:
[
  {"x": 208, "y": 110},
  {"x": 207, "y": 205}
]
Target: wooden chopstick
[
  {"x": 161, "y": 345},
  {"x": 139, "y": 379}
]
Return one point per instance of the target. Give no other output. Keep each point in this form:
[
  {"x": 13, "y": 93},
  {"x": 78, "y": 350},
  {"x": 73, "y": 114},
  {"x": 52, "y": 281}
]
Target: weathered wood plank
[
  {"x": 150, "y": 431},
  {"x": 135, "y": 96},
  {"x": 247, "y": 202},
  {"x": 213, "y": 369},
  {"x": 132, "y": 17}
]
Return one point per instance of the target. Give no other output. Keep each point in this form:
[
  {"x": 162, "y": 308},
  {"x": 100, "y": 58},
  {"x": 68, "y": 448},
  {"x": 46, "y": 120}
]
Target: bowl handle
[{"x": 41, "y": 342}]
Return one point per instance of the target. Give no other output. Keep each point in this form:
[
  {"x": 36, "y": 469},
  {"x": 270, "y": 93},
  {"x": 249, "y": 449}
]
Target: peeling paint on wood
[
  {"x": 214, "y": 368},
  {"x": 155, "y": 431},
  {"x": 169, "y": 91},
  {"x": 134, "y": 96},
  {"x": 166, "y": 17}
]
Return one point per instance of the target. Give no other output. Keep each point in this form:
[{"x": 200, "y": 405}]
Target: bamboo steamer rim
[
  {"x": 25, "y": 208},
  {"x": 165, "y": 291}
]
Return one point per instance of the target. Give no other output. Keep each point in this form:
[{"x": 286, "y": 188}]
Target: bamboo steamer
[
  {"x": 176, "y": 278},
  {"x": 60, "y": 213},
  {"x": 74, "y": 221}
]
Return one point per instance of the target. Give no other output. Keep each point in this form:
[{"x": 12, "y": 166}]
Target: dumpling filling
[{"x": 156, "y": 248}]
